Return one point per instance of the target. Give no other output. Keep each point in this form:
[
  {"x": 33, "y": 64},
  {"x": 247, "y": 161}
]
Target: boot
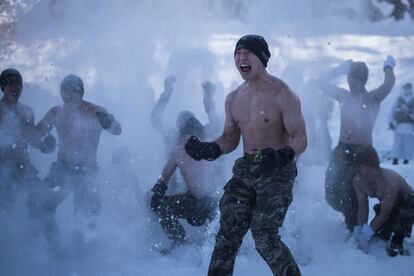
[{"x": 396, "y": 246}]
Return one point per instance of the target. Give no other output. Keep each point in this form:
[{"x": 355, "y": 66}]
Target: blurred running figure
[
  {"x": 402, "y": 122},
  {"x": 79, "y": 125},
  {"x": 267, "y": 114},
  {"x": 17, "y": 173},
  {"x": 359, "y": 110}
]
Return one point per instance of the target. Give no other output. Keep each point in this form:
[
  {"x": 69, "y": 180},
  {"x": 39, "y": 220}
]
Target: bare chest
[
  {"x": 359, "y": 108},
  {"x": 257, "y": 112},
  {"x": 79, "y": 124}
]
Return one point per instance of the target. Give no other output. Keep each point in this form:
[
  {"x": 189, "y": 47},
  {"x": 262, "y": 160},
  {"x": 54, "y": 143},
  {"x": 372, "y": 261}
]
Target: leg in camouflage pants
[
  {"x": 258, "y": 204},
  {"x": 339, "y": 190}
]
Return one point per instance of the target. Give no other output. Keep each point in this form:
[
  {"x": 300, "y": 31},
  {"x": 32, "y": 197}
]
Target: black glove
[
  {"x": 202, "y": 150},
  {"x": 48, "y": 144},
  {"x": 272, "y": 159},
  {"x": 104, "y": 119},
  {"x": 159, "y": 190}
]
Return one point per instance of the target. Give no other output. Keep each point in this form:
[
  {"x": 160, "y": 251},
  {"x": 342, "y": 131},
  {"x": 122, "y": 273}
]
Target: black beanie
[
  {"x": 10, "y": 76},
  {"x": 257, "y": 44},
  {"x": 72, "y": 82}
]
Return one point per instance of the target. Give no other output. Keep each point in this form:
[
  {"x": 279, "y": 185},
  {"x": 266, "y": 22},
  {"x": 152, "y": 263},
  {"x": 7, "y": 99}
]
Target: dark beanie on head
[
  {"x": 10, "y": 76},
  {"x": 72, "y": 82},
  {"x": 257, "y": 44}
]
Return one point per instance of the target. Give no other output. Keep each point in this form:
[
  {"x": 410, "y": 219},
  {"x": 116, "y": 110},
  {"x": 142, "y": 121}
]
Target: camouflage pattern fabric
[
  {"x": 259, "y": 204},
  {"x": 401, "y": 219},
  {"x": 186, "y": 206},
  {"x": 339, "y": 190}
]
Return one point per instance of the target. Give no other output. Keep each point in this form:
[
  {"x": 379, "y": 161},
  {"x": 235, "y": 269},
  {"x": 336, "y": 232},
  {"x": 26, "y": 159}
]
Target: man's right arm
[
  {"x": 230, "y": 138},
  {"x": 158, "y": 110},
  {"x": 169, "y": 167},
  {"x": 45, "y": 125},
  {"x": 362, "y": 215},
  {"x": 161, "y": 187},
  {"x": 42, "y": 139}
]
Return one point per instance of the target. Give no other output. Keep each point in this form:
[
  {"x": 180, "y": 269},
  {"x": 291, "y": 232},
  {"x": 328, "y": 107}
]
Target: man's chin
[{"x": 246, "y": 76}]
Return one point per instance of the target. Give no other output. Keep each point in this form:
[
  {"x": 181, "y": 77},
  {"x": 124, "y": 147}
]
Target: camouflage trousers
[
  {"x": 401, "y": 218},
  {"x": 259, "y": 204},
  {"x": 339, "y": 190},
  {"x": 183, "y": 206}
]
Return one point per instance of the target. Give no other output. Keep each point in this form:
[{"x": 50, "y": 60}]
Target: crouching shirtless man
[
  {"x": 267, "y": 114},
  {"x": 395, "y": 212},
  {"x": 199, "y": 202}
]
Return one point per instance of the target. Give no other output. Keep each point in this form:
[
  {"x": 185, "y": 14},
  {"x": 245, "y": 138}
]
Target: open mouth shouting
[{"x": 245, "y": 68}]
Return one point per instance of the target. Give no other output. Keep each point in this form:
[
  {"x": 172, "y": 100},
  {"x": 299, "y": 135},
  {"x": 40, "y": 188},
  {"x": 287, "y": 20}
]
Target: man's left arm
[
  {"x": 294, "y": 122},
  {"x": 108, "y": 121},
  {"x": 389, "y": 80}
]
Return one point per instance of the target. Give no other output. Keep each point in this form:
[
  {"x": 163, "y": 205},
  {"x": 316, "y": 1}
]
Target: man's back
[{"x": 201, "y": 178}]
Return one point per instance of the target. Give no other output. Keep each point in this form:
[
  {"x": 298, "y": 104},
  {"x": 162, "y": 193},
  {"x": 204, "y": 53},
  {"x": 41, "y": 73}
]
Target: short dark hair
[
  {"x": 367, "y": 156},
  {"x": 10, "y": 76},
  {"x": 359, "y": 70}
]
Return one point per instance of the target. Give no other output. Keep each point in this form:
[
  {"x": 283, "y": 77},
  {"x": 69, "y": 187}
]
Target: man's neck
[
  {"x": 74, "y": 106},
  {"x": 258, "y": 83},
  {"x": 358, "y": 91},
  {"x": 8, "y": 101}
]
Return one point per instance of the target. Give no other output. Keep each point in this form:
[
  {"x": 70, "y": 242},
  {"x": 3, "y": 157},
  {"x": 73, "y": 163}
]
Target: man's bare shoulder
[
  {"x": 393, "y": 178},
  {"x": 233, "y": 95},
  {"x": 283, "y": 92},
  {"x": 55, "y": 110},
  {"x": 25, "y": 109}
]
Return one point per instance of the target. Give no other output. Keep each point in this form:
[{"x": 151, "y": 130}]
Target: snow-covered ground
[{"x": 123, "y": 50}]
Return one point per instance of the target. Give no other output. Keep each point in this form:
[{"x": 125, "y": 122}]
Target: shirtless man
[
  {"x": 359, "y": 110},
  {"x": 394, "y": 213},
  {"x": 267, "y": 114},
  {"x": 171, "y": 137},
  {"x": 79, "y": 125},
  {"x": 197, "y": 204},
  {"x": 17, "y": 173}
]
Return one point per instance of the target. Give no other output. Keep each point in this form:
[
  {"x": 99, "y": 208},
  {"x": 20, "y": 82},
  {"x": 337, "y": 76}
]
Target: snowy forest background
[{"x": 124, "y": 49}]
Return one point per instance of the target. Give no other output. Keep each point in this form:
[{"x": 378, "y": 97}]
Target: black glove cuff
[
  {"x": 288, "y": 153},
  {"x": 160, "y": 188},
  {"x": 108, "y": 122},
  {"x": 214, "y": 151}
]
